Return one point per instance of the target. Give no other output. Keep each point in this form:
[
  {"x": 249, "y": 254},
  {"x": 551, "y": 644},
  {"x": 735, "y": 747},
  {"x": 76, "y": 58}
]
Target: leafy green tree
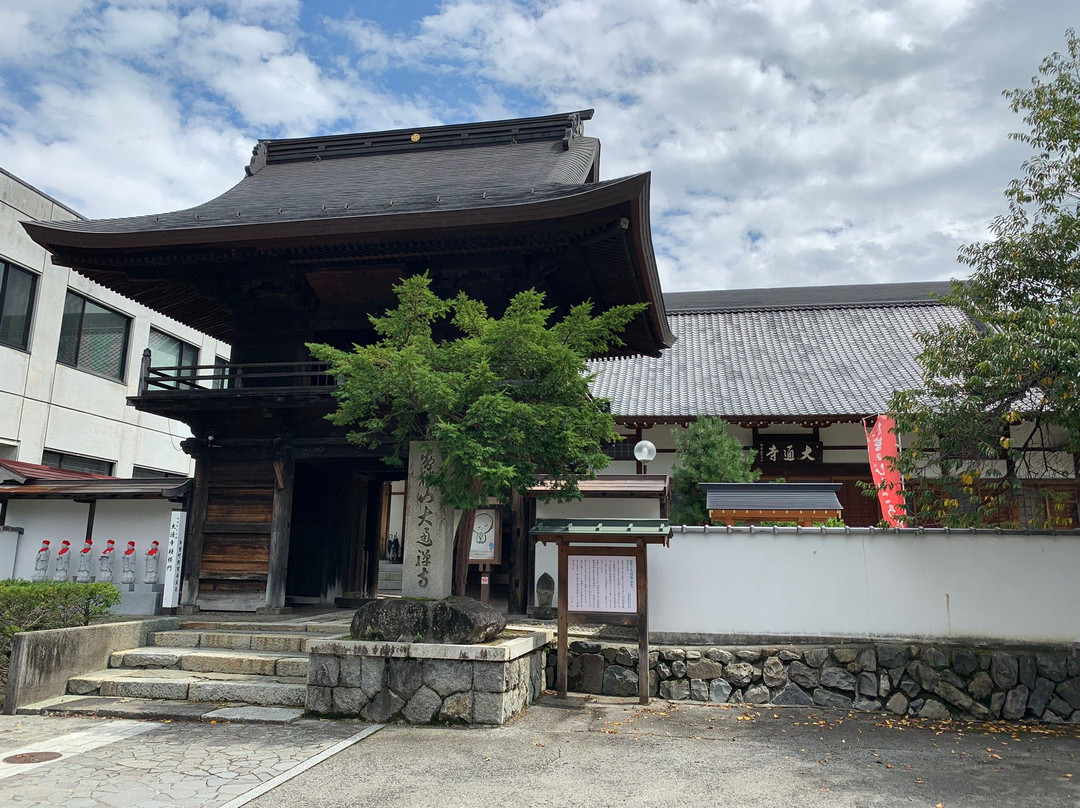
[
  {"x": 705, "y": 453},
  {"x": 502, "y": 398},
  {"x": 999, "y": 398}
]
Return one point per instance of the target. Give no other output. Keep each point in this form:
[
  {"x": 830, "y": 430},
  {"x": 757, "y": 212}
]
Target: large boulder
[{"x": 454, "y": 620}]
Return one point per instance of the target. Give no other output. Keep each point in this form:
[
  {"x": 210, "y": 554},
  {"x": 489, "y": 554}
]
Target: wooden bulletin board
[{"x": 603, "y": 578}]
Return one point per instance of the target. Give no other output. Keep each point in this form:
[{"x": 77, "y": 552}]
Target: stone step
[
  {"x": 212, "y": 660},
  {"x": 234, "y": 640},
  {"x": 276, "y": 691},
  {"x": 337, "y": 625},
  {"x": 161, "y": 710}
]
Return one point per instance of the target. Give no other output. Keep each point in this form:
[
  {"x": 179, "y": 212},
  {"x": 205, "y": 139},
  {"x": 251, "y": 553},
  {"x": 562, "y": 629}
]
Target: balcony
[{"x": 173, "y": 391}]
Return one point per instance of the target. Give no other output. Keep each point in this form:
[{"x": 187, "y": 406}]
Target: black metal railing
[{"x": 294, "y": 377}]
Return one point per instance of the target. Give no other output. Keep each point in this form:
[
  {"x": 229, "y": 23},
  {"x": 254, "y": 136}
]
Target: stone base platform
[{"x": 425, "y": 683}]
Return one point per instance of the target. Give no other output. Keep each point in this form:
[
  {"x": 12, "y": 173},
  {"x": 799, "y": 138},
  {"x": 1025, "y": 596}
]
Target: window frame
[
  {"x": 6, "y": 268},
  {"x": 79, "y": 336},
  {"x": 63, "y": 456},
  {"x": 147, "y": 473},
  {"x": 185, "y": 347}
]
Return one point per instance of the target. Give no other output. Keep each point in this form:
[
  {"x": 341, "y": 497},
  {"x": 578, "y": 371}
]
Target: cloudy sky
[{"x": 791, "y": 142}]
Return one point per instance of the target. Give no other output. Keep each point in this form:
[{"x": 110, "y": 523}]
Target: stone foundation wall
[
  {"x": 918, "y": 680},
  {"x": 426, "y": 684}
]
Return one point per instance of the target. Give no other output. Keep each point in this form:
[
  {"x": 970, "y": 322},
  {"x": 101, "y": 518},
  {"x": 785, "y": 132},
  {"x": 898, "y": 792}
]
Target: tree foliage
[
  {"x": 505, "y": 399},
  {"x": 998, "y": 401},
  {"x": 502, "y": 398},
  {"x": 705, "y": 453}
]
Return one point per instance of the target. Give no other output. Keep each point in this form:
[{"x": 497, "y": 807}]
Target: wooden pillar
[
  {"x": 193, "y": 546},
  {"x": 643, "y": 621},
  {"x": 562, "y": 647},
  {"x": 280, "y": 530},
  {"x": 352, "y": 580},
  {"x": 518, "y": 600},
  {"x": 91, "y": 511},
  {"x": 372, "y": 537}
]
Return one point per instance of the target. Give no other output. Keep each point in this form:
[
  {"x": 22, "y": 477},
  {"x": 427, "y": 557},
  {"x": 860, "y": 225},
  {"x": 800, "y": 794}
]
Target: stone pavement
[
  {"x": 143, "y": 764},
  {"x": 591, "y": 751},
  {"x": 605, "y": 752}
]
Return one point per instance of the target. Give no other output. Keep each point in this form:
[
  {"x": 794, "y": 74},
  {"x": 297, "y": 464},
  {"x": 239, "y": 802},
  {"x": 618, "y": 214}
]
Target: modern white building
[{"x": 70, "y": 354}]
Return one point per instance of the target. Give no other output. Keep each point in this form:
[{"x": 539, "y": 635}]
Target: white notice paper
[{"x": 602, "y": 583}]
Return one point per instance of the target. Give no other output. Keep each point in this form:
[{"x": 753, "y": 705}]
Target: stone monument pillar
[{"x": 428, "y": 549}]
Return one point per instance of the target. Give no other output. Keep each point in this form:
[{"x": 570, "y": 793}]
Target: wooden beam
[{"x": 193, "y": 547}]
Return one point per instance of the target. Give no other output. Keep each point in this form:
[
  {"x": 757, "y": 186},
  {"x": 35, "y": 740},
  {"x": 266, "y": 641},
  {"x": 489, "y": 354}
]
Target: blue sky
[{"x": 791, "y": 142}]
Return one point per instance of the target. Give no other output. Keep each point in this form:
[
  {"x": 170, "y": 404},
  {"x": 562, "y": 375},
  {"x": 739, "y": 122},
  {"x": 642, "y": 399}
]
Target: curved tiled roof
[
  {"x": 841, "y": 358},
  {"x": 380, "y": 182}
]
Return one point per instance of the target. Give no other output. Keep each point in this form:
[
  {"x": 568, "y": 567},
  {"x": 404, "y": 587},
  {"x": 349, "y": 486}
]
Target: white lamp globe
[{"x": 645, "y": 451}]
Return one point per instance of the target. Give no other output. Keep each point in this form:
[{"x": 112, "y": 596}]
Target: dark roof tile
[{"x": 777, "y": 360}]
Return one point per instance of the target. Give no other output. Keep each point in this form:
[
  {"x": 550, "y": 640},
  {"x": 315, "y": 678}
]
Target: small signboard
[
  {"x": 486, "y": 544},
  {"x": 174, "y": 558},
  {"x": 602, "y": 584},
  {"x": 788, "y": 450}
]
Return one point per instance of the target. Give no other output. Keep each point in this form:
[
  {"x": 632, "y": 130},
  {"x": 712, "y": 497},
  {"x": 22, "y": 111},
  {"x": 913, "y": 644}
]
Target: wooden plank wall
[{"x": 236, "y": 534}]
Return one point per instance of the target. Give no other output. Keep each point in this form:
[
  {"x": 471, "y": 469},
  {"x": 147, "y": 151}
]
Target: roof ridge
[
  {"x": 563, "y": 126},
  {"x": 866, "y": 304}
]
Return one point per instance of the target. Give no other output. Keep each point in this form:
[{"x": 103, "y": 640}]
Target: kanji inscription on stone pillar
[{"x": 428, "y": 553}]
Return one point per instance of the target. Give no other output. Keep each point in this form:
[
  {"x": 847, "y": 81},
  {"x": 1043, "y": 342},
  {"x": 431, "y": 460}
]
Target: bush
[
  {"x": 35, "y": 606},
  {"x": 705, "y": 453}
]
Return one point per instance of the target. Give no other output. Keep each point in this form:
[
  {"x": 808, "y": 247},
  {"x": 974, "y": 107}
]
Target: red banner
[{"x": 882, "y": 444}]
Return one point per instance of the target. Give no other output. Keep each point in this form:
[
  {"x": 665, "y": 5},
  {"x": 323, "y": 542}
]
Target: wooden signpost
[
  {"x": 603, "y": 578},
  {"x": 485, "y": 547}
]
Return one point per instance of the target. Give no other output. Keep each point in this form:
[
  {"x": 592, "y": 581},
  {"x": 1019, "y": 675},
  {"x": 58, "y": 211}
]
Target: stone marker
[{"x": 428, "y": 553}]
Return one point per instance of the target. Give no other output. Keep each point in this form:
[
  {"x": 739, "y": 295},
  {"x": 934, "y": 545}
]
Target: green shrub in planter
[
  {"x": 33, "y": 605},
  {"x": 39, "y": 605}
]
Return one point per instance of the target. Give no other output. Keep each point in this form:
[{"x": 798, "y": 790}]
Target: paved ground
[
  {"x": 144, "y": 764},
  {"x": 585, "y": 752}
]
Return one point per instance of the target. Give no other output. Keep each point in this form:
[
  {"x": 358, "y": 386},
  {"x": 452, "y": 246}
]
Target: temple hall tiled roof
[
  {"x": 829, "y": 352},
  {"x": 446, "y": 168}
]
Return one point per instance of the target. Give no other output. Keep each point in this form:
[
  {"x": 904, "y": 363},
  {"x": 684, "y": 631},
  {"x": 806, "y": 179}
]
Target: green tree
[
  {"x": 502, "y": 398},
  {"x": 705, "y": 453},
  {"x": 998, "y": 401}
]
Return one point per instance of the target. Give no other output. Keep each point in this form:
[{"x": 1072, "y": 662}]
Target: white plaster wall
[
  {"x": 863, "y": 583},
  {"x": 141, "y": 521},
  {"x": 44, "y": 405}
]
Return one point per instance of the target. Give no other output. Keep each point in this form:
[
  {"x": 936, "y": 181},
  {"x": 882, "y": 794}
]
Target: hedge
[{"x": 35, "y": 606}]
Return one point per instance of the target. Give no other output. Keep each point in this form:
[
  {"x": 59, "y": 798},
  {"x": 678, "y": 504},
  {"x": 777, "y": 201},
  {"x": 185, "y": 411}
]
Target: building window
[
  {"x": 169, "y": 352},
  {"x": 70, "y": 462},
  {"x": 221, "y": 370},
  {"x": 141, "y": 473},
  {"x": 621, "y": 450},
  {"x": 93, "y": 338},
  {"x": 17, "y": 288}
]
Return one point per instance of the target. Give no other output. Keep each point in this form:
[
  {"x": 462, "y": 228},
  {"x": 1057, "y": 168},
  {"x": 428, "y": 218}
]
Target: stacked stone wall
[
  {"x": 928, "y": 681},
  {"x": 382, "y": 683}
]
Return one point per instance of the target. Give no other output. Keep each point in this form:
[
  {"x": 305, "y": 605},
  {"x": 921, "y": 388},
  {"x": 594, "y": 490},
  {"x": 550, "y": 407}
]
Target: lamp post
[{"x": 645, "y": 452}]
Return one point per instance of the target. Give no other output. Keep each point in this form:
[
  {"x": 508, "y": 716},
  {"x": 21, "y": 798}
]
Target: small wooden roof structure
[
  {"x": 621, "y": 486},
  {"x": 19, "y": 480},
  {"x": 602, "y": 531},
  {"x": 802, "y": 503}
]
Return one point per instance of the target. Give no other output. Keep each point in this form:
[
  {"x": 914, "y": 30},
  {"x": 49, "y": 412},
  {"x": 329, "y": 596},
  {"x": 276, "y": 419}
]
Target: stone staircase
[
  {"x": 389, "y": 578},
  {"x": 204, "y": 671}
]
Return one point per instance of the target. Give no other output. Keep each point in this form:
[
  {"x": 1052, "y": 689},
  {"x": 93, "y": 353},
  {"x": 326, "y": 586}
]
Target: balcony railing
[{"x": 262, "y": 377}]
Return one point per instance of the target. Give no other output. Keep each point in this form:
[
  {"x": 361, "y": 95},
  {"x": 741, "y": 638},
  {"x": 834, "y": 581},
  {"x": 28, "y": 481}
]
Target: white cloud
[{"x": 790, "y": 141}]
